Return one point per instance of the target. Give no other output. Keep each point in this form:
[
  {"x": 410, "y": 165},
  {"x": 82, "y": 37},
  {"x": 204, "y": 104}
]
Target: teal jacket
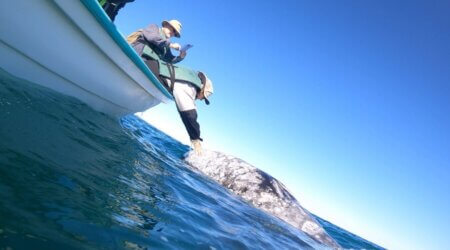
[{"x": 182, "y": 74}]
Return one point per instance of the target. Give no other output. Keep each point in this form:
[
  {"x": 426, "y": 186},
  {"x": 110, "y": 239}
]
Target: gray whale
[{"x": 260, "y": 189}]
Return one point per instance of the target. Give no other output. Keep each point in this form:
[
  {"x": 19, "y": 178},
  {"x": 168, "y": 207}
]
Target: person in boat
[
  {"x": 158, "y": 39},
  {"x": 154, "y": 46},
  {"x": 112, "y": 7}
]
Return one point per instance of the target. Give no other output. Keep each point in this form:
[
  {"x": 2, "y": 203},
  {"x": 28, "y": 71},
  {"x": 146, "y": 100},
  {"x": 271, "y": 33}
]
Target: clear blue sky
[{"x": 346, "y": 102}]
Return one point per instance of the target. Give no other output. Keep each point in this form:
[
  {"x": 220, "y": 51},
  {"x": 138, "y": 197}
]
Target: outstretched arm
[{"x": 189, "y": 119}]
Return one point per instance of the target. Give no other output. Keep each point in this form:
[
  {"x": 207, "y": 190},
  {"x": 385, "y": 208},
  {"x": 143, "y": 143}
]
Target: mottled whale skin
[{"x": 259, "y": 189}]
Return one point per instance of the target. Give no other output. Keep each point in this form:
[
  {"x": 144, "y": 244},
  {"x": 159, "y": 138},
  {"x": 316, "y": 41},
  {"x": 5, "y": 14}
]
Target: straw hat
[{"x": 175, "y": 24}]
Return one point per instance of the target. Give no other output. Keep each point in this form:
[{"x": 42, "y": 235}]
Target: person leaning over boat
[
  {"x": 185, "y": 95},
  {"x": 185, "y": 85}
]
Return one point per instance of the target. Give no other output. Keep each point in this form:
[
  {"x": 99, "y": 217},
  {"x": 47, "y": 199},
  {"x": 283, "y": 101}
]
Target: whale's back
[{"x": 260, "y": 189}]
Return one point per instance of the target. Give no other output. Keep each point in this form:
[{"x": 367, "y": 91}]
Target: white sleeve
[{"x": 184, "y": 95}]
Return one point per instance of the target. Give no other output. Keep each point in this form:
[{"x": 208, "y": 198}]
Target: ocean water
[{"x": 74, "y": 178}]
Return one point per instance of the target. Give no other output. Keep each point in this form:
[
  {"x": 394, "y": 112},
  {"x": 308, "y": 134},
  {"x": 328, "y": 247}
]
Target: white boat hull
[{"x": 59, "y": 44}]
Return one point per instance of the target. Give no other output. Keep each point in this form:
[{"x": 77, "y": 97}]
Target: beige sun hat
[
  {"x": 175, "y": 24},
  {"x": 207, "y": 88}
]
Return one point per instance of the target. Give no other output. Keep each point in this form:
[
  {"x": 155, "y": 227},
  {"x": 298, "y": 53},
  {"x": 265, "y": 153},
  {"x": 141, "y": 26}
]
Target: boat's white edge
[
  {"x": 49, "y": 49},
  {"x": 30, "y": 68},
  {"x": 109, "y": 29}
]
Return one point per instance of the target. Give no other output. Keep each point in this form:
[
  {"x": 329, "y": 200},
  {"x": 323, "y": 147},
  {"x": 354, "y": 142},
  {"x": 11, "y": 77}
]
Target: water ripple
[{"x": 74, "y": 178}]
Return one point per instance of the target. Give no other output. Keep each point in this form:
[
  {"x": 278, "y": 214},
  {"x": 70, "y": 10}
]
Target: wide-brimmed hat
[
  {"x": 207, "y": 88},
  {"x": 175, "y": 24}
]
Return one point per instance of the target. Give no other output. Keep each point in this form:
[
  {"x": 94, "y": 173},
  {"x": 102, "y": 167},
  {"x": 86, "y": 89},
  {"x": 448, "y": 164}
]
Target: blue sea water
[{"x": 74, "y": 178}]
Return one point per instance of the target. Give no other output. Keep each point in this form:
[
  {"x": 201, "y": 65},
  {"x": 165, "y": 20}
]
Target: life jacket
[{"x": 172, "y": 72}]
